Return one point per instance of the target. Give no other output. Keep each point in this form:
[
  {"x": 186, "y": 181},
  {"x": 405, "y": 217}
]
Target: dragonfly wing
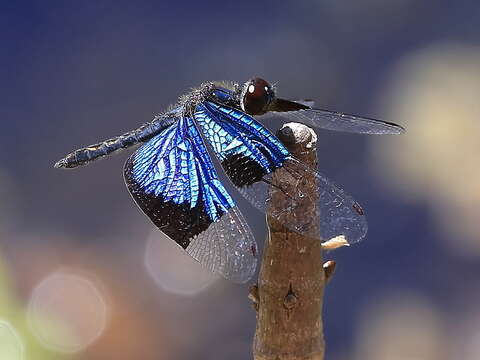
[
  {"x": 307, "y": 202},
  {"x": 264, "y": 162},
  {"x": 174, "y": 182},
  {"x": 331, "y": 120},
  {"x": 246, "y": 149},
  {"x": 307, "y": 102},
  {"x": 302, "y": 111}
]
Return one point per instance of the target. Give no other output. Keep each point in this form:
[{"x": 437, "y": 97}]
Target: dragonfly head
[{"x": 256, "y": 96}]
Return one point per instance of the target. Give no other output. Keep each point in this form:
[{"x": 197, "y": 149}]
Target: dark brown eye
[{"x": 257, "y": 94}]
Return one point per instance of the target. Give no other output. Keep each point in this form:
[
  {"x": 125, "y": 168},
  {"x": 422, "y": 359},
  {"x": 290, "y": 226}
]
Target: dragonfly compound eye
[{"x": 257, "y": 94}]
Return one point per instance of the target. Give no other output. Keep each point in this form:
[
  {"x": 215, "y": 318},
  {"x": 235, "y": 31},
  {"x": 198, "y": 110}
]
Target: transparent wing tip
[
  {"x": 227, "y": 247},
  {"x": 395, "y": 130}
]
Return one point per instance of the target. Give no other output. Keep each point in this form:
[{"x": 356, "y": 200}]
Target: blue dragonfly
[{"x": 173, "y": 179}]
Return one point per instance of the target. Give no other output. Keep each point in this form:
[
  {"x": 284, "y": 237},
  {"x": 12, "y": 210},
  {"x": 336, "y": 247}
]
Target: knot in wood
[{"x": 290, "y": 301}]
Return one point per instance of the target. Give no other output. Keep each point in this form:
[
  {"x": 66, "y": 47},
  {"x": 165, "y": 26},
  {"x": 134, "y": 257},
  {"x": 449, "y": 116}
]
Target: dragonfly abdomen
[{"x": 96, "y": 151}]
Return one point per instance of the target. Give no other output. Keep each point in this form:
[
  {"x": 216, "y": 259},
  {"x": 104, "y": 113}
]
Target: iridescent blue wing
[
  {"x": 246, "y": 149},
  {"x": 172, "y": 179},
  {"x": 253, "y": 158}
]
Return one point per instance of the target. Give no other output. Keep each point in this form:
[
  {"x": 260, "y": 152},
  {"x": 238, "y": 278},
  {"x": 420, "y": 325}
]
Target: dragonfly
[{"x": 173, "y": 178}]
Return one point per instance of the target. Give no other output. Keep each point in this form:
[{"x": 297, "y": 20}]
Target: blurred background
[{"x": 83, "y": 273}]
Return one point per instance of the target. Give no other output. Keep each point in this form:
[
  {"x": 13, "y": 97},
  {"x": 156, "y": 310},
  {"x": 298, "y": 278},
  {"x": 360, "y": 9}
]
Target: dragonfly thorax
[{"x": 189, "y": 102}]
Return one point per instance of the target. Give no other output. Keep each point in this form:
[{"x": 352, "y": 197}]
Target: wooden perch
[{"x": 289, "y": 295}]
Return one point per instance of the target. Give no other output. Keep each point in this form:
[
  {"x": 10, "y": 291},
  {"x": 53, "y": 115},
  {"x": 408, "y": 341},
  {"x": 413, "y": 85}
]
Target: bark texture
[{"x": 289, "y": 294}]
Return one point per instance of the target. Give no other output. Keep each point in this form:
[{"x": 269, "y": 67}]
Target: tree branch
[{"x": 289, "y": 294}]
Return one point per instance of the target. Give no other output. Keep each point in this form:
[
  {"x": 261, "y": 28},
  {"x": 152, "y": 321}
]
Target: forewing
[
  {"x": 331, "y": 120},
  {"x": 267, "y": 176},
  {"x": 247, "y": 150},
  {"x": 172, "y": 179}
]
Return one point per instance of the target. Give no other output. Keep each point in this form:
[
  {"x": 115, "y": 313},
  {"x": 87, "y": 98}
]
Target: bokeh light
[
  {"x": 172, "y": 269},
  {"x": 465, "y": 332},
  {"x": 472, "y": 348},
  {"x": 67, "y": 312},
  {"x": 401, "y": 326},
  {"x": 11, "y": 346},
  {"x": 434, "y": 94}
]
